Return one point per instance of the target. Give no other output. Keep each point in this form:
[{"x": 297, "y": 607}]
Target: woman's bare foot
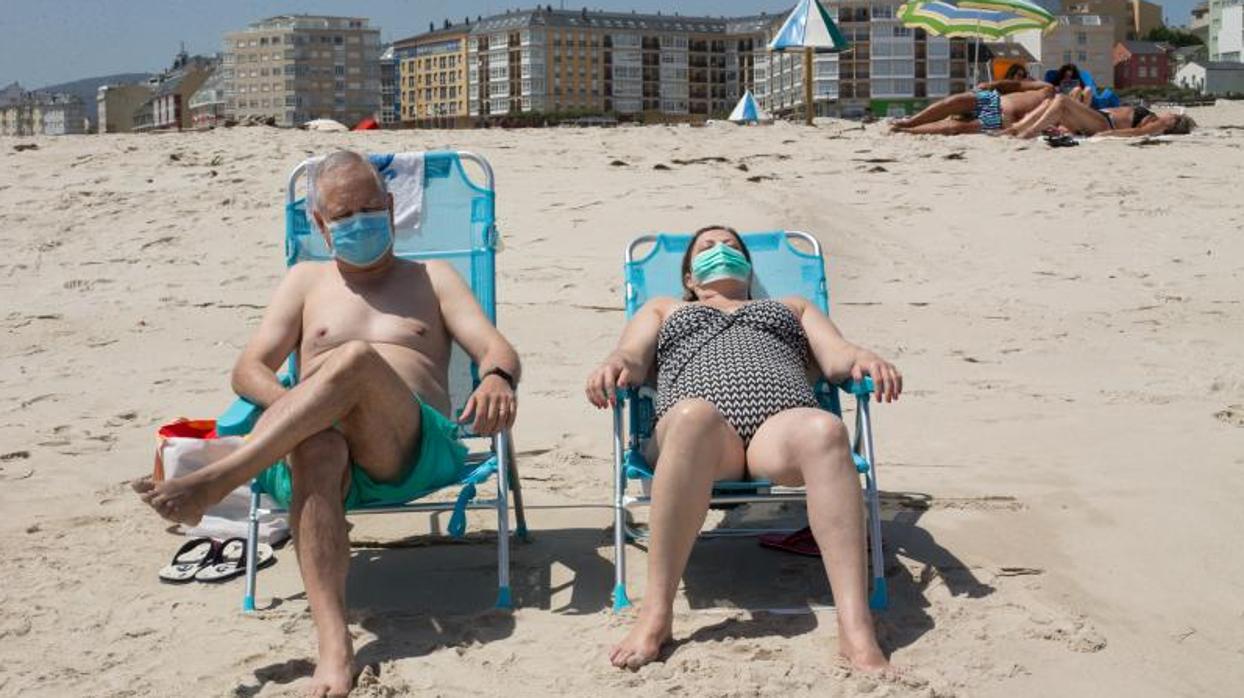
[
  {"x": 858, "y": 646},
  {"x": 643, "y": 643},
  {"x": 334, "y": 674},
  {"x": 183, "y": 500}
]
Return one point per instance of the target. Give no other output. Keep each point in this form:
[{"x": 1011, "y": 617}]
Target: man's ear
[{"x": 322, "y": 227}]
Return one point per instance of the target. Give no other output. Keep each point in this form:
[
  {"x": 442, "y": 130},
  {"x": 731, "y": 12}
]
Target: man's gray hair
[{"x": 342, "y": 159}]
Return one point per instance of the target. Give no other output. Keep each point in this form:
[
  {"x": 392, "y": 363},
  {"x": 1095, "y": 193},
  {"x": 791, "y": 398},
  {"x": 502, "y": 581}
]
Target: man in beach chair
[
  {"x": 367, "y": 422},
  {"x": 994, "y": 106},
  {"x": 734, "y": 402}
]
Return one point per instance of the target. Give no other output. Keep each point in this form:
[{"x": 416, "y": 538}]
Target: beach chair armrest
[
  {"x": 239, "y": 419},
  {"x": 859, "y": 389}
]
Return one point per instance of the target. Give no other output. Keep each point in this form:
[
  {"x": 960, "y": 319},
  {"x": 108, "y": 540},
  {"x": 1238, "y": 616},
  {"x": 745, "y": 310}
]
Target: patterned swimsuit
[{"x": 750, "y": 364}]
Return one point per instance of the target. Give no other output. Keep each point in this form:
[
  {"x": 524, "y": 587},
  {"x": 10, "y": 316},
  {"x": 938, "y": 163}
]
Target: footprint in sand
[{"x": 1233, "y": 415}]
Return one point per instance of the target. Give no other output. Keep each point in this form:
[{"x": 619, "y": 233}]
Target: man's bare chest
[{"x": 406, "y": 317}]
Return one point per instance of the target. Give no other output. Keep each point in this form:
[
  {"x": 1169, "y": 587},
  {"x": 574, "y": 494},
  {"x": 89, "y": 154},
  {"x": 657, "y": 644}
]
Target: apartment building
[
  {"x": 432, "y": 76},
  {"x": 25, "y": 113},
  {"x": 1086, "y": 40},
  {"x": 294, "y": 68},
  {"x": 1226, "y": 31},
  {"x": 390, "y": 98},
  {"x": 115, "y": 106},
  {"x": 664, "y": 66},
  {"x": 548, "y": 60},
  {"x": 1129, "y": 19},
  {"x": 207, "y": 104}
]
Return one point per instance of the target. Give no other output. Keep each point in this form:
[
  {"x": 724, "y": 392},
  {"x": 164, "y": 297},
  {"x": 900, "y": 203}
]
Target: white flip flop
[
  {"x": 231, "y": 562},
  {"x": 191, "y": 557}
]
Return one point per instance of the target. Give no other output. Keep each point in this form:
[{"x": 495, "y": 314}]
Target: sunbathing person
[
  {"x": 734, "y": 401},
  {"x": 993, "y": 107},
  {"x": 1067, "y": 81},
  {"x": 368, "y": 423},
  {"x": 1065, "y": 113}
]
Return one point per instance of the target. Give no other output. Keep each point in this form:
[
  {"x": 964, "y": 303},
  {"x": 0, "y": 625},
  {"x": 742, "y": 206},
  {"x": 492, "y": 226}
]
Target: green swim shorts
[{"x": 437, "y": 461}]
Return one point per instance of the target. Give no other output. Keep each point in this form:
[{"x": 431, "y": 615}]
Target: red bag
[{"x": 189, "y": 444}]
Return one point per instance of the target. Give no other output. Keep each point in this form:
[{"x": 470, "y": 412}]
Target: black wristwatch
[{"x": 505, "y": 376}]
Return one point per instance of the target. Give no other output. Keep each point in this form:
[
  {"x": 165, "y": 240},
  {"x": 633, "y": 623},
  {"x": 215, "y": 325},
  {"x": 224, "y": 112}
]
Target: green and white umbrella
[
  {"x": 979, "y": 19},
  {"x": 975, "y": 19}
]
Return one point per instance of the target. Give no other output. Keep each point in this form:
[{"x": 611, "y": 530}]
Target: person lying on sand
[
  {"x": 734, "y": 401},
  {"x": 368, "y": 423},
  {"x": 993, "y": 107},
  {"x": 1066, "y": 113}
]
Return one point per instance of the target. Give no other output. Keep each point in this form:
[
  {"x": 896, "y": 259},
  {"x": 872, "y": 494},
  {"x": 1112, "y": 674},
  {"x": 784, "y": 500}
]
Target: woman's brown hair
[{"x": 688, "y": 294}]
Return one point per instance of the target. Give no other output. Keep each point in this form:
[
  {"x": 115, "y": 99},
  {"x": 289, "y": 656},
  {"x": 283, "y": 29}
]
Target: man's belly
[{"x": 413, "y": 368}]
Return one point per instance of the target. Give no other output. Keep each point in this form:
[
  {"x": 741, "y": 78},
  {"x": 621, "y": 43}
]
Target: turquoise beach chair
[
  {"x": 781, "y": 269},
  {"x": 455, "y": 223}
]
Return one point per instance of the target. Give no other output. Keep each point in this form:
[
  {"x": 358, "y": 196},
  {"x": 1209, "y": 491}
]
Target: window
[
  {"x": 1081, "y": 39},
  {"x": 1081, "y": 57}
]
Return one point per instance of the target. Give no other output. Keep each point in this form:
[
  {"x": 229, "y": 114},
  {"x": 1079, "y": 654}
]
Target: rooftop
[
  {"x": 1144, "y": 47},
  {"x": 545, "y": 17},
  {"x": 301, "y": 21}
]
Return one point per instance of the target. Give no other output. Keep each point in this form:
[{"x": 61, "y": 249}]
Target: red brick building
[{"x": 1141, "y": 64}]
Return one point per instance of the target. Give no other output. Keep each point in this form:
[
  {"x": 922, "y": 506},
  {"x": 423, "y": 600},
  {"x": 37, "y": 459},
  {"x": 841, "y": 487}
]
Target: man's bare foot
[
  {"x": 183, "y": 500},
  {"x": 643, "y": 643},
  {"x": 333, "y": 677}
]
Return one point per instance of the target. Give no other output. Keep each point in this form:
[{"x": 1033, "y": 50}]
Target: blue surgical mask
[
  {"x": 720, "y": 262},
  {"x": 362, "y": 239}
]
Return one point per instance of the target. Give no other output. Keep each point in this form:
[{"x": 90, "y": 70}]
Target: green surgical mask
[{"x": 720, "y": 262}]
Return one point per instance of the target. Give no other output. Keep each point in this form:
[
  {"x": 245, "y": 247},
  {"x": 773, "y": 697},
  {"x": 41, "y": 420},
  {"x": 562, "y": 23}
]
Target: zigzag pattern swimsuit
[{"x": 750, "y": 364}]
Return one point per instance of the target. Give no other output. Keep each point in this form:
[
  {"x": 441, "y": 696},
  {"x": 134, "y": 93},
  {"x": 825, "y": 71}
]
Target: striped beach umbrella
[
  {"x": 975, "y": 19},
  {"x": 979, "y": 19},
  {"x": 747, "y": 111},
  {"x": 809, "y": 29}
]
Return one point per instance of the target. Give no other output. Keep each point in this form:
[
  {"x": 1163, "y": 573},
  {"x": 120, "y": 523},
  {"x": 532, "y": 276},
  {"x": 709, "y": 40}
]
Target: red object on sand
[
  {"x": 368, "y": 124},
  {"x": 800, "y": 542}
]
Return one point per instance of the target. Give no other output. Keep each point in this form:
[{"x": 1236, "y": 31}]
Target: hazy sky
[{"x": 44, "y": 42}]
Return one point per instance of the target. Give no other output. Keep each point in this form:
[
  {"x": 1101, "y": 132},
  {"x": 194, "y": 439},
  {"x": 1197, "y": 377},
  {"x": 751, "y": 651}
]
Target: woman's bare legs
[
  {"x": 696, "y": 446},
  {"x": 954, "y": 105},
  {"x": 1032, "y": 117},
  {"x": 1066, "y": 112},
  {"x": 807, "y": 446}
]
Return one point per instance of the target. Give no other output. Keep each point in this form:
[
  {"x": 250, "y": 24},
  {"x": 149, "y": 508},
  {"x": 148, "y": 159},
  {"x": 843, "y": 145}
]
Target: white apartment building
[{"x": 1226, "y": 31}]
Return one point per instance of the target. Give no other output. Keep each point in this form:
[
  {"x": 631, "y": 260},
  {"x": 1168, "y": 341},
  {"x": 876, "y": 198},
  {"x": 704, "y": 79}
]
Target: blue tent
[{"x": 747, "y": 111}]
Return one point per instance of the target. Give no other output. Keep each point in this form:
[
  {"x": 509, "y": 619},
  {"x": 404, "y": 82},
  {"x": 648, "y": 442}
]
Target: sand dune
[{"x": 1062, "y": 477}]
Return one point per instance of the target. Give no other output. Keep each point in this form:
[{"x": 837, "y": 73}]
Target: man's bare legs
[
  {"x": 354, "y": 387},
  {"x": 945, "y": 127},
  {"x": 810, "y": 447},
  {"x": 696, "y": 446},
  {"x": 320, "y": 467},
  {"x": 955, "y": 105}
]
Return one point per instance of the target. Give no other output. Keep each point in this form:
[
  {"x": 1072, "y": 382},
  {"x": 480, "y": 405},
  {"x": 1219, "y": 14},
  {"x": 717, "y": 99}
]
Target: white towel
[{"x": 403, "y": 176}]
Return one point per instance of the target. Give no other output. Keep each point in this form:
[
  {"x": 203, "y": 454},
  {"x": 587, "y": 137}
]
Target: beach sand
[{"x": 1062, "y": 477}]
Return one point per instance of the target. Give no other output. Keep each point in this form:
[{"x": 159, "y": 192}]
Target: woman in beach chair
[
  {"x": 734, "y": 401},
  {"x": 1068, "y": 114}
]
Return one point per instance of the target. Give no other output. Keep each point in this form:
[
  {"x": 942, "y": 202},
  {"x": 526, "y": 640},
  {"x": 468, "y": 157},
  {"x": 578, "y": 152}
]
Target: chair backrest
[
  {"x": 784, "y": 263},
  {"x": 456, "y": 223},
  {"x": 780, "y": 268}
]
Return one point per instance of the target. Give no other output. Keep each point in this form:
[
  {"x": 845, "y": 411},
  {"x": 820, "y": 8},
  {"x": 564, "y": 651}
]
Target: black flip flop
[
  {"x": 1061, "y": 141},
  {"x": 196, "y": 554}
]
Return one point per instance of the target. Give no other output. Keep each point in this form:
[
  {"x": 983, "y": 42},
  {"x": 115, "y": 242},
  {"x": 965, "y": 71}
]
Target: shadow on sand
[
  {"x": 423, "y": 593},
  {"x": 419, "y": 594},
  {"x": 781, "y": 589}
]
